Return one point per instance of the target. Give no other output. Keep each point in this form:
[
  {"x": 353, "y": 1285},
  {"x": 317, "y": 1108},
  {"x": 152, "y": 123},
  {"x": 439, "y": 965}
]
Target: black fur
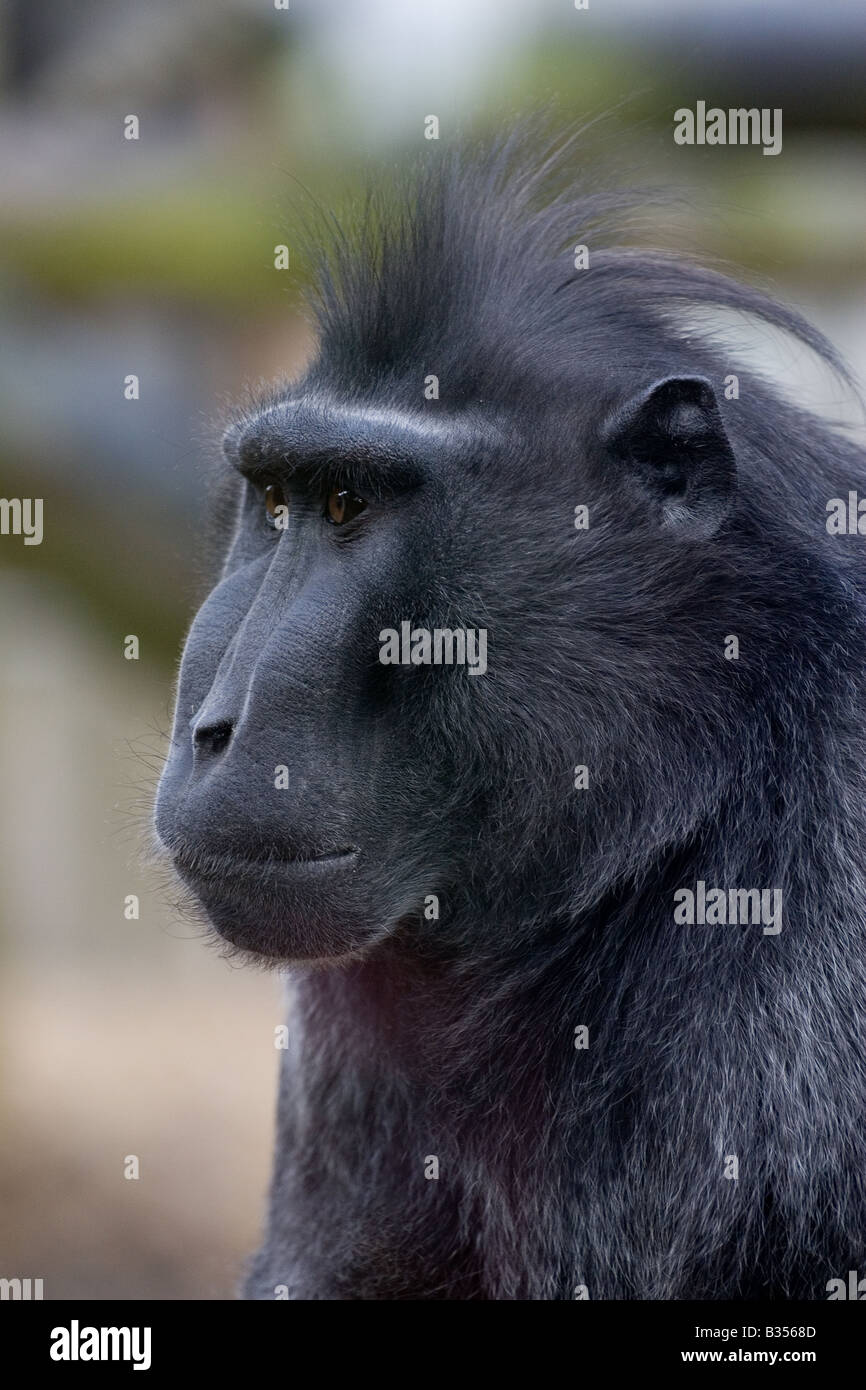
[{"x": 454, "y": 1038}]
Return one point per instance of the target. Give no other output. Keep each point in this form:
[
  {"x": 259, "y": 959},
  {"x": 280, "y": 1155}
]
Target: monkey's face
[
  {"x": 308, "y": 796},
  {"x": 341, "y": 749}
]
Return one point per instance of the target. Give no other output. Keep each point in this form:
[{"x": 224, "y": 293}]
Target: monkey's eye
[
  {"x": 275, "y": 498},
  {"x": 342, "y": 507}
]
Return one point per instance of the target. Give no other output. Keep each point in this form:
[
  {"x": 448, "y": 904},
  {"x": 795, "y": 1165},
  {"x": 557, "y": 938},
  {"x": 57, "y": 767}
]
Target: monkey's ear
[{"x": 671, "y": 439}]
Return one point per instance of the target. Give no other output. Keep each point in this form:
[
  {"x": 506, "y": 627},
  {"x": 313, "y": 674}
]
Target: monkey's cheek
[{"x": 301, "y": 914}]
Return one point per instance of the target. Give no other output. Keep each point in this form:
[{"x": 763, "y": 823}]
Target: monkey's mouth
[
  {"x": 207, "y": 865},
  {"x": 287, "y": 903}
]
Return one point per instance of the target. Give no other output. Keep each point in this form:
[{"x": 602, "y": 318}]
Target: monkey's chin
[{"x": 291, "y": 912}]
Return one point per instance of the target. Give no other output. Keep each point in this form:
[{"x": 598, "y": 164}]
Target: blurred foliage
[
  {"x": 207, "y": 237},
  {"x": 129, "y": 572}
]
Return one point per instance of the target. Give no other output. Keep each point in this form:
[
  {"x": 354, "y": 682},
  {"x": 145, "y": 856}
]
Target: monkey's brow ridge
[{"x": 302, "y": 436}]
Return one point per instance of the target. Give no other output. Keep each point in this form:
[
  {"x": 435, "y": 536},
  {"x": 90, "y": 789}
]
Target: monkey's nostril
[{"x": 212, "y": 738}]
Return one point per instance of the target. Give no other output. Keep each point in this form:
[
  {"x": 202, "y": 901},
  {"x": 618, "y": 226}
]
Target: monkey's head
[{"x": 483, "y": 561}]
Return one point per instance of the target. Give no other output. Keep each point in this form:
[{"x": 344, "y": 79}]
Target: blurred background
[{"x": 155, "y": 257}]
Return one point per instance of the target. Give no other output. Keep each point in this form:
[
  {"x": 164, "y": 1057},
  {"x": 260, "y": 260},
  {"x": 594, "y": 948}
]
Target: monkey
[{"x": 574, "y": 945}]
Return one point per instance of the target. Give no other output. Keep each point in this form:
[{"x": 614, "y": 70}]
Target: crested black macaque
[{"x": 577, "y": 934}]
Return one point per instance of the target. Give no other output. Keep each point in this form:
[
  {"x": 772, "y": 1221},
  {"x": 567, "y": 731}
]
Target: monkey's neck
[{"x": 440, "y": 998}]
